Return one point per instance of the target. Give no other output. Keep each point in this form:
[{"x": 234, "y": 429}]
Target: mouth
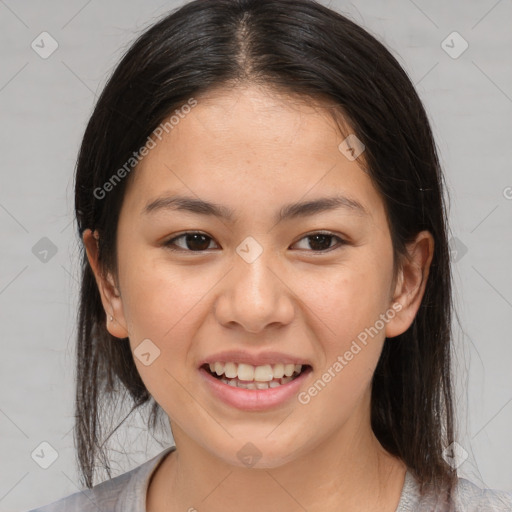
[{"x": 246, "y": 376}]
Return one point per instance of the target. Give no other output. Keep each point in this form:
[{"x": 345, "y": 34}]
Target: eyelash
[{"x": 169, "y": 243}]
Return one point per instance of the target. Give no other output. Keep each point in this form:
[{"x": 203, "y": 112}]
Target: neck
[{"x": 350, "y": 468}]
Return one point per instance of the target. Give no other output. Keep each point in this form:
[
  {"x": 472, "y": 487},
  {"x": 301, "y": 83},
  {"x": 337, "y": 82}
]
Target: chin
[{"x": 260, "y": 453}]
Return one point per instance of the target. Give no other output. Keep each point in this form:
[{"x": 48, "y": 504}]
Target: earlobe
[
  {"x": 411, "y": 283},
  {"x": 110, "y": 295}
]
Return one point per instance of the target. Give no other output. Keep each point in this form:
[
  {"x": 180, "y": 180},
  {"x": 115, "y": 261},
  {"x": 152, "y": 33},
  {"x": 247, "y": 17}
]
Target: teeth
[
  {"x": 230, "y": 370},
  {"x": 235, "y": 383},
  {"x": 245, "y": 371},
  {"x": 255, "y": 377},
  {"x": 288, "y": 369},
  {"x": 278, "y": 371},
  {"x": 263, "y": 373}
]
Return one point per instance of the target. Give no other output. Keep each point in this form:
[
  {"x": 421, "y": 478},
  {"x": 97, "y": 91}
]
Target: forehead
[{"x": 251, "y": 142}]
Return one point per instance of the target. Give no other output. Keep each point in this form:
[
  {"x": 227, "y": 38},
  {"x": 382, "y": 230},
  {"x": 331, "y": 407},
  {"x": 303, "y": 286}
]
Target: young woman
[{"x": 266, "y": 263}]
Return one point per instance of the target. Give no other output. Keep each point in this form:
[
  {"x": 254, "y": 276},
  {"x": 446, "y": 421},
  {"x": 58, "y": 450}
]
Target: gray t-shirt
[{"x": 127, "y": 493}]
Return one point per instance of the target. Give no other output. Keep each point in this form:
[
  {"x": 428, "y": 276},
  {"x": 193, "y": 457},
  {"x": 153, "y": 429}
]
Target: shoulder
[
  {"x": 467, "y": 497},
  {"x": 472, "y": 498},
  {"x": 125, "y": 492}
]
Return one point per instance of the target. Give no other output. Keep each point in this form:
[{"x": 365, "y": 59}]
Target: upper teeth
[{"x": 264, "y": 373}]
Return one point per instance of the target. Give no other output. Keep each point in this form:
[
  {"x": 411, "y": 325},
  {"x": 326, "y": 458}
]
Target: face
[{"x": 259, "y": 283}]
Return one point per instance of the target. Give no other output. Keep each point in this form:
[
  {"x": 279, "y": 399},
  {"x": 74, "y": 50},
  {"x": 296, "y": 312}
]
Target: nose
[{"x": 254, "y": 296}]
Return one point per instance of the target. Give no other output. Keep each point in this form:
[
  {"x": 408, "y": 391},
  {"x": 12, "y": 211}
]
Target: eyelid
[
  {"x": 168, "y": 243},
  {"x": 341, "y": 241}
]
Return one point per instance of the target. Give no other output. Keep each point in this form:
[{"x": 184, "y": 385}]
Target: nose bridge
[
  {"x": 253, "y": 296},
  {"x": 255, "y": 281}
]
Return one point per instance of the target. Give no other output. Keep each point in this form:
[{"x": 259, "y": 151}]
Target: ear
[
  {"x": 411, "y": 283},
  {"x": 110, "y": 295}
]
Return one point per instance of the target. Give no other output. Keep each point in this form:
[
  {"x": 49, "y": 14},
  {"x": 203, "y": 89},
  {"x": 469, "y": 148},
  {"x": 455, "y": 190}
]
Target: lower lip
[{"x": 254, "y": 399}]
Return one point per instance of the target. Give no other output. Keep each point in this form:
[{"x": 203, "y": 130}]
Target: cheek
[
  {"x": 351, "y": 337},
  {"x": 164, "y": 304},
  {"x": 160, "y": 298},
  {"x": 351, "y": 297}
]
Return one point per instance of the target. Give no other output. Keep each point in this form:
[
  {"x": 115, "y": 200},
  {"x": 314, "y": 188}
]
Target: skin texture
[{"x": 255, "y": 151}]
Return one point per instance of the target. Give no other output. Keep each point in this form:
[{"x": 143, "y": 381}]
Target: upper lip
[{"x": 260, "y": 359}]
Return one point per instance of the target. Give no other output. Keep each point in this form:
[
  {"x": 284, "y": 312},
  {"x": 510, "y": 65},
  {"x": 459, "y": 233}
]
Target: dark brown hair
[{"x": 297, "y": 47}]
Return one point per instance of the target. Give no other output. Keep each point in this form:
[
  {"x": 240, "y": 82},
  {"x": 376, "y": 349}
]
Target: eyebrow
[{"x": 289, "y": 211}]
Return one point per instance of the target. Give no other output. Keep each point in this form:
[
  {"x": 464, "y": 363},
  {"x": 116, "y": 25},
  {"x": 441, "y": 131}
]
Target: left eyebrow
[
  {"x": 289, "y": 211},
  {"x": 303, "y": 209}
]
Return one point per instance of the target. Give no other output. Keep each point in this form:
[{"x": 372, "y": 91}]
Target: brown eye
[
  {"x": 194, "y": 242},
  {"x": 321, "y": 242},
  {"x": 199, "y": 242}
]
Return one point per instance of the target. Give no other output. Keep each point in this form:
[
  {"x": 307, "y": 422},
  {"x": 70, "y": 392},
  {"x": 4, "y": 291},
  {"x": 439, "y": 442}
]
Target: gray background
[{"x": 45, "y": 104}]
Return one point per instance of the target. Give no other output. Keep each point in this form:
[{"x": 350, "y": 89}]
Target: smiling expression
[{"x": 247, "y": 241}]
